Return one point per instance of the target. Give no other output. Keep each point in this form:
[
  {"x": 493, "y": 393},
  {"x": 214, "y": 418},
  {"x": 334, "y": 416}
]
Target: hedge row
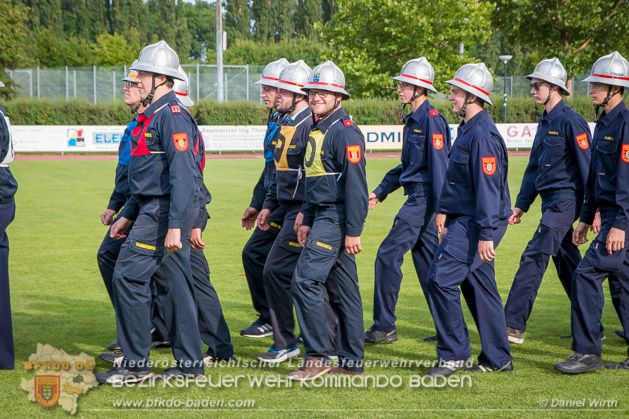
[{"x": 209, "y": 112}]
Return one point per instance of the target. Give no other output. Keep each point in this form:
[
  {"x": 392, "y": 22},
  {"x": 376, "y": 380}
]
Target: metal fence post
[
  {"x": 74, "y": 81},
  {"x": 198, "y": 83},
  {"x": 247, "y": 81},
  {"x": 67, "y": 87},
  {"x": 113, "y": 83},
  {"x": 94, "y": 77},
  {"x": 38, "y": 85}
]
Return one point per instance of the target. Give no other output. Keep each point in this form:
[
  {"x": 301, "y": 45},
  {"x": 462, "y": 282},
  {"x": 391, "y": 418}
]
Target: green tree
[
  {"x": 237, "y": 20},
  {"x": 14, "y": 51},
  {"x": 307, "y": 14},
  {"x": 262, "y": 12},
  {"x": 576, "y": 31},
  {"x": 45, "y": 14},
  {"x": 256, "y": 53},
  {"x": 328, "y": 8},
  {"x": 283, "y": 19},
  {"x": 183, "y": 38},
  {"x": 201, "y": 21},
  {"x": 372, "y": 39},
  {"x": 112, "y": 50},
  {"x": 59, "y": 52}
]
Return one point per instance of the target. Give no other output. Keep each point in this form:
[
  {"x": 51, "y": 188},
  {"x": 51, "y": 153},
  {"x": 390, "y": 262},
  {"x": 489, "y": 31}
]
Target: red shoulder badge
[
  {"x": 489, "y": 165},
  {"x": 348, "y": 123},
  {"x": 433, "y": 112},
  {"x": 582, "y": 141},
  {"x": 437, "y": 141},
  {"x": 180, "y": 140},
  {"x": 175, "y": 109},
  {"x": 353, "y": 153},
  {"x": 625, "y": 153}
]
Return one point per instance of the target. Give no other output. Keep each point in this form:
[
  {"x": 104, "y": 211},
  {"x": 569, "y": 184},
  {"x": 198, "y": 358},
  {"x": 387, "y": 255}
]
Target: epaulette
[
  {"x": 433, "y": 112},
  {"x": 348, "y": 122}
]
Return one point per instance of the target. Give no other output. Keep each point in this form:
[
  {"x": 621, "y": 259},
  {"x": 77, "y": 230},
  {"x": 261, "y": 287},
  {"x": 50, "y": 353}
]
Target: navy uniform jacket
[
  {"x": 476, "y": 179},
  {"x": 607, "y": 186},
  {"x": 335, "y": 171},
  {"x": 287, "y": 186},
  {"x": 205, "y": 197},
  {"x": 163, "y": 161},
  {"x": 424, "y": 154},
  {"x": 121, "y": 186},
  {"x": 262, "y": 187},
  {"x": 8, "y": 184},
  {"x": 560, "y": 157}
]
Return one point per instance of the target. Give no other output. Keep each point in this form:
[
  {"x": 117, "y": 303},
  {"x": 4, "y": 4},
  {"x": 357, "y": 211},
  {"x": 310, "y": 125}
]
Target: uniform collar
[
  {"x": 300, "y": 114},
  {"x": 466, "y": 126},
  {"x": 324, "y": 125},
  {"x": 419, "y": 113},
  {"x": 607, "y": 118},
  {"x": 550, "y": 116},
  {"x": 153, "y": 107}
]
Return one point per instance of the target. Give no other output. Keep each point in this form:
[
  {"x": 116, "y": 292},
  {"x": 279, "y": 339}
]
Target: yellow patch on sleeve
[
  {"x": 145, "y": 246},
  {"x": 325, "y": 246}
]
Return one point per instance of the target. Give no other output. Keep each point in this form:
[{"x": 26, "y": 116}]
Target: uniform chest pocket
[
  {"x": 606, "y": 146},
  {"x": 152, "y": 140},
  {"x": 294, "y": 148},
  {"x": 458, "y": 167},
  {"x": 554, "y": 141}
]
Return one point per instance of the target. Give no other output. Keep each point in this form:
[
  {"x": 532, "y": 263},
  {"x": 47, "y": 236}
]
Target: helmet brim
[
  {"x": 148, "y": 68},
  {"x": 550, "y": 80},
  {"x": 484, "y": 96},
  {"x": 415, "y": 82}
]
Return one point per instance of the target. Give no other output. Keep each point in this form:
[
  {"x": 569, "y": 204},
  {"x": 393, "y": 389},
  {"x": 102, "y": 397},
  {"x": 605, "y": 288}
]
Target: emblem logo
[
  {"x": 175, "y": 109},
  {"x": 489, "y": 165},
  {"x": 437, "y": 141},
  {"x": 181, "y": 141},
  {"x": 315, "y": 77},
  {"x": 353, "y": 153},
  {"x": 625, "y": 153},
  {"x": 47, "y": 390},
  {"x": 582, "y": 141}
]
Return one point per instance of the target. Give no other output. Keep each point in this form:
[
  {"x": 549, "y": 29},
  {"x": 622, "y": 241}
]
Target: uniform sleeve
[
  {"x": 350, "y": 154},
  {"x": 438, "y": 138},
  {"x": 528, "y": 191},
  {"x": 588, "y": 210},
  {"x": 202, "y": 217},
  {"x": 309, "y": 215},
  {"x": 121, "y": 188},
  {"x": 580, "y": 140},
  {"x": 390, "y": 183},
  {"x": 259, "y": 193},
  {"x": 178, "y": 136},
  {"x": 486, "y": 161},
  {"x": 622, "y": 180},
  {"x": 270, "y": 201},
  {"x": 131, "y": 209}
]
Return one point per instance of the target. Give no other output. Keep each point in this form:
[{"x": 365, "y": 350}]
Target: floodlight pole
[
  {"x": 219, "y": 52},
  {"x": 505, "y": 59}
]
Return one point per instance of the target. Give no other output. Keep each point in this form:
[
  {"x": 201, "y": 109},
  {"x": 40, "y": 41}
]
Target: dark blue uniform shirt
[
  {"x": 335, "y": 171},
  {"x": 287, "y": 186},
  {"x": 163, "y": 161},
  {"x": 476, "y": 179},
  {"x": 607, "y": 186},
  {"x": 121, "y": 186},
  {"x": 424, "y": 154},
  {"x": 560, "y": 158},
  {"x": 8, "y": 184}
]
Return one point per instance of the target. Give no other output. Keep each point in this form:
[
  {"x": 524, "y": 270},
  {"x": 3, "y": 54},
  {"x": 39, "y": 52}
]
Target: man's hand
[
  {"x": 440, "y": 222},
  {"x": 352, "y": 245},
  {"x": 516, "y": 217},
  {"x": 172, "y": 243},
  {"x": 298, "y": 221},
  {"x": 596, "y": 225},
  {"x": 302, "y": 235},
  {"x": 107, "y": 216},
  {"x": 196, "y": 241},
  {"x": 615, "y": 240},
  {"x": 263, "y": 219},
  {"x": 249, "y": 218},
  {"x": 373, "y": 200},
  {"x": 580, "y": 234},
  {"x": 486, "y": 250},
  {"x": 442, "y": 234},
  {"x": 119, "y": 228}
]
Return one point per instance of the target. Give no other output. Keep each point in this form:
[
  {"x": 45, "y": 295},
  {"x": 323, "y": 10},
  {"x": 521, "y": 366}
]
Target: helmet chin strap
[
  {"x": 605, "y": 102},
  {"x": 402, "y": 111},
  {"x": 331, "y": 111},
  {"x": 464, "y": 107},
  {"x": 149, "y": 98},
  {"x": 295, "y": 102},
  {"x": 550, "y": 92}
]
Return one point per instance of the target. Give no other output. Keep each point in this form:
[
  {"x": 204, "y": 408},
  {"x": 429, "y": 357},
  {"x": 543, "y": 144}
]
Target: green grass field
[{"x": 58, "y": 298}]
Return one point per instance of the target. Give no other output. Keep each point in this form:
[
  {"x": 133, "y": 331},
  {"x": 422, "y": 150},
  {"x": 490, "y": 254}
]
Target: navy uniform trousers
[
  {"x": 278, "y": 279},
  {"x": 141, "y": 255},
  {"x": 413, "y": 228},
  {"x": 587, "y": 289},
  {"x": 106, "y": 257},
  {"x": 254, "y": 256},
  {"x": 553, "y": 237},
  {"x": 324, "y": 263},
  {"x": 456, "y": 263},
  {"x": 7, "y": 352}
]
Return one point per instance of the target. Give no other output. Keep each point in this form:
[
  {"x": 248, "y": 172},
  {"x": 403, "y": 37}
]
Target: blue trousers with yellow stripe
[{"x": 325, "y": 264}]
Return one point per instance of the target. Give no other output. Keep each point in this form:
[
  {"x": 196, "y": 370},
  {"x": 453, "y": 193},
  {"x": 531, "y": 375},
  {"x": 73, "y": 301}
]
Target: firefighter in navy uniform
[
  {"x": 557, "y": 172},
  {"x": 334, "y": 214},
  {"x": 476, "y": 204},
  {"x": 421, "y": 173},
  {"x": 163, "y": 182},
  {"x": 607, "y": 190},
  {"x": 8, "y": 187},
  {"x": 259, "y": 244},
  {"x": 110, "y": 248}
]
